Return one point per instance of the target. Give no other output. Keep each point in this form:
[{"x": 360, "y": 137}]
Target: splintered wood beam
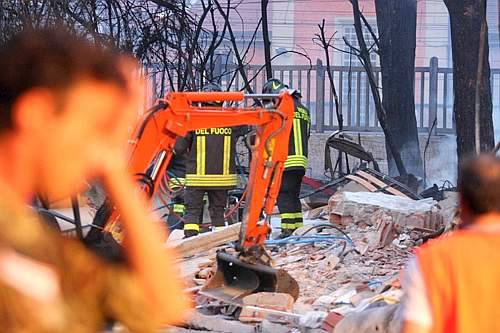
[
  {"x": 381, "y": 184},
  {"x": 206, "y": 241},
  {"x": 362, "y": 182}
]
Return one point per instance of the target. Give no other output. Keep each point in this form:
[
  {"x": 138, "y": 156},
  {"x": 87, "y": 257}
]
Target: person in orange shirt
[
  {"x": 453, "y": 283},
  {"x": 66, "y": 109}
]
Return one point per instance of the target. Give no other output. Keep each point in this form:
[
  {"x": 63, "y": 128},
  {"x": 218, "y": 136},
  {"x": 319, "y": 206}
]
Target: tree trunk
[
  {"x": 466, "y": 18},
  {"x": 267, "y": 42},
  {"x": 396, "y": 21},
  {"x": 364, "y": 56}
]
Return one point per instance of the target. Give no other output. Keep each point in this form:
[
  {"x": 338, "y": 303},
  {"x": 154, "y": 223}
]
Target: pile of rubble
[{"x": 347, "y": 284}]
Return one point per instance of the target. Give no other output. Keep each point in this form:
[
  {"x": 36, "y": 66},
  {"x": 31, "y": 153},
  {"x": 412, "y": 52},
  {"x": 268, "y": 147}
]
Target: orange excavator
[{"x": 151, "y": 149}]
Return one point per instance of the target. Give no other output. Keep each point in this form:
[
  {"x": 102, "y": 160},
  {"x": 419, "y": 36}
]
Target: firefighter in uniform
[
  {"x": 210, "y": 168},
  {"x": 289, "y": 204}
]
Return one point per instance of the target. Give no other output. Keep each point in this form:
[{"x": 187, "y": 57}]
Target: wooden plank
[
  {"x": 362, "y": 182},
  {"x": 381, "y": 184},
  {"x": 206, "y": 241}
]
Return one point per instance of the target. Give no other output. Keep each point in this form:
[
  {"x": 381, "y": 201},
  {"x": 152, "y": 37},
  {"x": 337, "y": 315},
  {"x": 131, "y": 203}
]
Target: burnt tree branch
[{"x": 364, "y": 57}]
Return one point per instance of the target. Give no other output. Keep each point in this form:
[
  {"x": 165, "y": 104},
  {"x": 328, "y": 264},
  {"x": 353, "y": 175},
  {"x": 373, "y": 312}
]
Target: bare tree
[
  {"x": 239, "y": 58},
  {"x": 363, "y": 54},
  {"x": 181, "y": 45},
  {"x": 321, "y": 40},
  {"x": 471, "y": 76},
  {"x": 397, "y": 21},
  {"x": 267, "y": 42},
  {"x": 170, "y": 38},
  {"x": 326, "y": 44}
]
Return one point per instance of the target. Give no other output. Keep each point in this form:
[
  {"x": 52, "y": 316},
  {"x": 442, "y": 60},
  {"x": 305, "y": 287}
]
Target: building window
[{"x": 349, "y": 32}]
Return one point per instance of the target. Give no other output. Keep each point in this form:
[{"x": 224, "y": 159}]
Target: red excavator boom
[{"x": 151, "y": 149}]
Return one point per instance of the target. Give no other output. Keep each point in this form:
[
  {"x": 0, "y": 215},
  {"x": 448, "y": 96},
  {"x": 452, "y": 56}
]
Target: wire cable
[
  {"x": 307, "y": 240},
  {"x": 326, "y": 225}
]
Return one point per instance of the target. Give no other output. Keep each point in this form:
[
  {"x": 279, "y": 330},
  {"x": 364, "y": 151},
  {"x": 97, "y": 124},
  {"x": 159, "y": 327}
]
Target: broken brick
[{"x": 331, "y": 321}]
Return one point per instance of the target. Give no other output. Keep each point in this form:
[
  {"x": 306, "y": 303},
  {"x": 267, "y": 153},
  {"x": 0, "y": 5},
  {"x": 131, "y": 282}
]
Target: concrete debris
[
  {"x": 385, "y": 319},
  {"x": 358, "y": 298},
  {"x": 343, "y": 295},
  {"x": 273, "y": 301},
  {"x": 449, "y": 210},
  {"x": 317, "y": 213},
  {"x": 361, "y": 208},
  {"x": 269, "y": 327},
  {"x": 393, "y": 217},
  {"x": 324, "y": 300},
  {"x": 403, "y": 241},
  {"x": 189, "y": 269},
  {"x": 329, "y": 263},
  {"x": 199, "y": 321},
  {"x": 330, "y": 281},
  {"x": 347, "y": 285},
  {"x": 205, "y": 273},
  {"x": 312, "y": 319}
]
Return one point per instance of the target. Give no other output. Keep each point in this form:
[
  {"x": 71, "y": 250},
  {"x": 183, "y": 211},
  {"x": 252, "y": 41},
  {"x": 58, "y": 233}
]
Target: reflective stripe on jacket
[
  {"x": 210, "y": 158},
  {"x": 299, "y": 137}
]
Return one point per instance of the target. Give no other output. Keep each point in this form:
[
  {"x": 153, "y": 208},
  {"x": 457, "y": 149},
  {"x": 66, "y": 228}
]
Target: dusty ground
[{"x": 338, "y": 276}]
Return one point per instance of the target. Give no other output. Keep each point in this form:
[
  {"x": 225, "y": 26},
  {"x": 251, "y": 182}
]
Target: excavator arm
[
  {"x": 151, "y": 149},
  {"x": 154, "y": 138}
]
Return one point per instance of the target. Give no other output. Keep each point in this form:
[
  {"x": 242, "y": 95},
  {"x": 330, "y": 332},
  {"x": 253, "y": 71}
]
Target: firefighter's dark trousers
[
  {"x": 193, "y": 199},
  {"x": 288, "y": 200},
  {"x": 177, "y": 209}
]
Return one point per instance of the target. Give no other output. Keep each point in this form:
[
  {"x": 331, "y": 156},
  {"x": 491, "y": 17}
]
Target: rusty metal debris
[{"x": 345, "y": 144}]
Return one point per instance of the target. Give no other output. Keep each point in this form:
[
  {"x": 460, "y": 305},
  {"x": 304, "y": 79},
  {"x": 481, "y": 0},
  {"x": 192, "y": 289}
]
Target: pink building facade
[{"x": 294, "y": 23}]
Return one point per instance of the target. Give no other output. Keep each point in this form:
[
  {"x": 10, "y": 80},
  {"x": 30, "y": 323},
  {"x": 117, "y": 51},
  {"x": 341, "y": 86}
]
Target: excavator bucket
[{"x": 235, "y": 279}]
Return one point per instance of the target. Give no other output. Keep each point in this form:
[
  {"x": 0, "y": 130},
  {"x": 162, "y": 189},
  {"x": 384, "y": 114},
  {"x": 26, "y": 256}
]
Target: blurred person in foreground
[
  {"x": 453, "y": 284},
  {"x": 66, "y": 108}
]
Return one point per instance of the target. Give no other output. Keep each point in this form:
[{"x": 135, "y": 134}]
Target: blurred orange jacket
[{"x": 461, "y": 274}]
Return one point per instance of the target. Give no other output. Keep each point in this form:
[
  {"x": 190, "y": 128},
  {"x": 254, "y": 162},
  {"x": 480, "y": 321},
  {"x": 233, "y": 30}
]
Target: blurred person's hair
[
  {"x": 479, "y": 184},
  {"x": 53, "y": 59}
]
